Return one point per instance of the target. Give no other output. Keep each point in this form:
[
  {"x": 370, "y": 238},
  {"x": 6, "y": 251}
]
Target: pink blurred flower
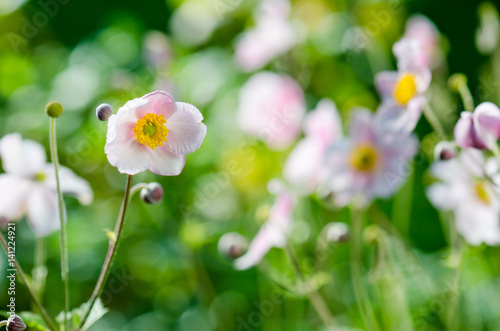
[
  {"x": 272, "y": 36},
  {"x": 273, "y": 233},
  {"x": 271, "y": 107},
  {"x": 480, "y": 129},
  {"x": 426, "y": 34},
  {"x": 28, "y": 186},
  {"x": 153, "y": 132},
  {"x": 403, "y": 97},
  {"x": 371, "y": 163},
  {"x": 469, "y": 188},
  {"x": 304, "y": 164}
]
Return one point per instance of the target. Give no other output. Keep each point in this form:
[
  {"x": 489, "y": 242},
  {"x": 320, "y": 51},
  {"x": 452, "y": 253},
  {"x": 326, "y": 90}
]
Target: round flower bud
[
  {"x": 444, "y": 150},
  {"x": 337, "y": 232},
  {"x": 103, "y": 112},
  {"x": 152, "y": 194},
  {"x": 15, "y": 323},
  {"x": 54, "y": 109},
  {"x": 457, "y": 80},
  {"x": 232, "y": 245}
]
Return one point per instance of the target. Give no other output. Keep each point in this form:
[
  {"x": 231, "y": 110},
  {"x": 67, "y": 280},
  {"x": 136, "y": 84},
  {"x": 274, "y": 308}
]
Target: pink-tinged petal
[
  {"x": 13, "y": 193},
  {"x": 23, "y": 158},
  {"x": 385, "y": 82},
  {"x": 302, "y": 168},
  {"x": 130, "y": 157},
  {"x": 158, "y": 102},
  {"x": 391, "y": 117},
  {"x": 121, "y": 127},
  {"x": 186, "y": 130},
  {"x": 324, "y": 123},
  {"x": 280, "y": 215},
  {"x": 70, "y": 183},
  {"x": 361, "y": 129},
  {"x": 466, "y": 134},
  {"x": 43, "y": 212},
  {"x": 487, "y": 116},
  {"x": 258, "y": 248},
  {"x": 165, "y": 163},
  {"x": 410, "y": 55},
  {"x": 424, "y": 31}
]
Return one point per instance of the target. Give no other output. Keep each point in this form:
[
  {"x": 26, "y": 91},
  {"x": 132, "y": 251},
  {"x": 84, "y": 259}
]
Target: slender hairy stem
[
  {"x": 433, "y": 120},
  {"x": 466, "y": 96},
  {"x": 314, "y": 296},
  {"x": 26, "y": 283},
  {"x": 112, "y": 250},
  {"x": 39, "y": 272},
  {"x": 457, "y": 257},
  {"x": 62, "y": 216},
  {"x": 357, "y": 272}
]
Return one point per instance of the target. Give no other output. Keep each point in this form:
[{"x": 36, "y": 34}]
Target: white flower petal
[
  {"x": 130, "y": 157},
  {"x": 43, "y": 212},
  {"x": 13, "y": 194},
  {"x": 165, "y": 163},
  {"x": 186, "y": 130},
  {"x": 258, "y": 248},
  {"x": 24, "y": 158},
  {"x": 71, "y": 184},
  {"x": 385, "y": 82}
]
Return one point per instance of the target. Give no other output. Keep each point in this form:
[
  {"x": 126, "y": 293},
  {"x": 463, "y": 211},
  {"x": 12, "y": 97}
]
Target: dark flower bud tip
[
  {"x": 103, "y": 112},
  {"x": 232, "y": 245},
  {"x": 152, "y": 194},
  {"x": 54, "y": 109},
  {"x": 445, "y": 150},
  {"x": 337, "y": 232},
  {"x": 15, "y": 323}
]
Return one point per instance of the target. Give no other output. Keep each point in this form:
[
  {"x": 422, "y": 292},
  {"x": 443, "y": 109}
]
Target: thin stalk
[
  {"x": 314, "y": 296},
  {"x": 112, "y": 250},
  {"x": 466, "y": 96},
  {"x": 457, "y": 254},
  {"x": 62, "y": 217},
  {"x": 24, "y": 280},
  {"x": 39, "y": 272},
  {"x": 4, "y": 323},
  {"x": 357, "y": 272},
  {"x": 433, "y": 120}
]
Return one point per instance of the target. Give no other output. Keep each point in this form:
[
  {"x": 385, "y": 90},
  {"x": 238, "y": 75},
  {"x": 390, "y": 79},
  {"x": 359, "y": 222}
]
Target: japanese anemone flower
[
  {"x": 28, "y": 186},
  {"x": 153, "y": 132},
  {"x": 402, "y": 93},
  {"x": 274, "y": 233},
  {"x": 480, "y": 129},
  {"x": 370, "y": 163},
  {"x": 304, "y": 164},
  {"x": 271, "y": 107},
  {"x": 468, "y": 186},
  {"x": 426, "y": 34}
]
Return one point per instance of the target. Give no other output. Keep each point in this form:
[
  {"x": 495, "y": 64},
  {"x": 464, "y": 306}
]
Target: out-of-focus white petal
[
  {"x": 385, "y": 82},
  {"x": 71, "y": 184},
  {"x": 302, "y": 168},
  {"x": 258, "y": 248},
  {"x": 130, "y": 157},
  {"x": 43, "y": 212},
  {"x": 324, "y": 123},
  {"x": 165, "y": 163},
  {"x": 13, "y": 194},
  {"x": 24, "y": 158},
  {"x": 186, "y": 130},
  {"x": 362, "y": 126}
]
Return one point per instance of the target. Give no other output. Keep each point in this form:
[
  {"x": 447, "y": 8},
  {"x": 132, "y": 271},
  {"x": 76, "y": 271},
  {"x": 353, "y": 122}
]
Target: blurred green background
[{"x": 169, "y": 275}]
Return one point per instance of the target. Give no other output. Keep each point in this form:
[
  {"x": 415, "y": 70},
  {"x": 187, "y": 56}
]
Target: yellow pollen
[
  {"x": 363, "y": 158},
  {"x": 482, "y": 193},
  {"x": 151, "y": 130},
  {"x": 405, "y": 89},
  {"x": 40, "y": 177}
]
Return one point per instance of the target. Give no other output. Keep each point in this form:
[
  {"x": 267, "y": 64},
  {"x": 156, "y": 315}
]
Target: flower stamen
[
  {"x": 364, "y": 158},
  {"x": 405, "y": 89},
  {"x": 482, "y": 192},
  {"x": 151, "y": 130}
]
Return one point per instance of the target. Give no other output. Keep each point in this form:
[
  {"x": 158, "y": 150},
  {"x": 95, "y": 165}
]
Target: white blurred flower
[
  {"x": 322, "y": 127},
  {"x": 370, "y": 163},
  {"x": 271, "y": 107},
  {"x": 488, "y": 32},
  {"x": 425, "y": 33},
  {"x": 273, "y": 35},
  {"x": 273, "y": 233},
  {"x": 28, "y": 186},
  {"x": 469, "y": 187}
]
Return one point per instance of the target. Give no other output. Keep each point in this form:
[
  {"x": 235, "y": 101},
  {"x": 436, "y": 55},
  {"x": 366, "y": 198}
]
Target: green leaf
[{"x": 97, "y": 312}]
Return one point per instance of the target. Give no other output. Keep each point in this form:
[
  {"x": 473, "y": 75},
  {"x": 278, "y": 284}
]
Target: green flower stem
[
  {"x": 434, "y": 121},
  {"x": 21, "y": 275},
  {"x": 357, "y": 272},
  {"x": 112, "y": 250},
  {"x": 457, "y": 251},
  {"x": 4, "y": 323},
  {"x": 314, "y": 296},
  {"x": 62, "y": 216},
  {"x": 466, "y": 96}
]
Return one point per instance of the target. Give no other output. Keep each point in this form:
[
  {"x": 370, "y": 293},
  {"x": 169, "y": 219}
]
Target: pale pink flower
[
  {"x": 469, "y": 187},
  {"x": 480, "y": 129},
  {"x": 426, "y": 34},
  {"x": 28, "y": 186},
  {"x": 273, "y": 35},
  {"x": 322, "y": 127},
  {"x": 403, "y": 96},
  {"x": 271, "y": 107},
  {"x": 274, "y": 233},
  {"x": 153, "y": 132},
  {"x": 371, "y": 163}
]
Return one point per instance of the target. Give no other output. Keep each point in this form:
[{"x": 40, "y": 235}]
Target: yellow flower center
[
  {"x": 151, "y": 130},
  {"x": 482, "y": 192},
  {"x": 40, "y": 177},
  {"x": 405, "y": 89},
  {"x": 364, "y": 158}
]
